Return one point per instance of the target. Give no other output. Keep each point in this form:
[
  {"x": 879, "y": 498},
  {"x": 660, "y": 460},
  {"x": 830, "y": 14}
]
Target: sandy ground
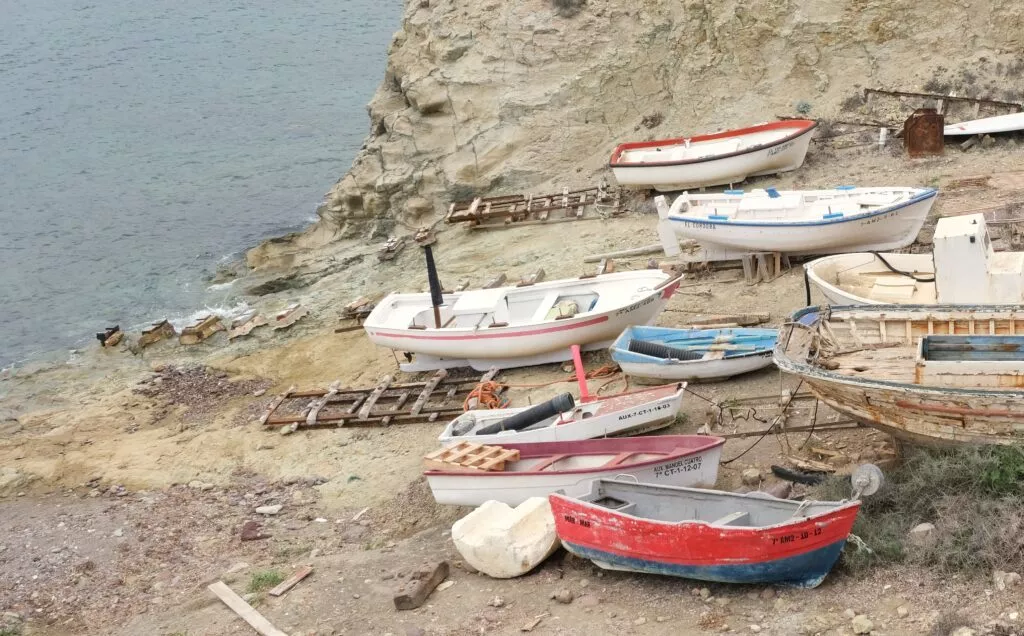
[{"x": 124, "y": 481}]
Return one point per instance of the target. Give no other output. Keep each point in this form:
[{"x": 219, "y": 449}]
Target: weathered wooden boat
[
  {"x": 963, "y": 268},
  {"x": 846, "y": 219},
  {"x": 518, "y": 326},
  {"x": 721, "y": 158},
  {"x": 633, "y": 412},
  {"x": 935, "y": 375},
  {"x": 704, "y": 534},
  {"x": 692, "y": 354},
  {"x": 1001, "y": 123},
  {"x": 570, "y": 467}
]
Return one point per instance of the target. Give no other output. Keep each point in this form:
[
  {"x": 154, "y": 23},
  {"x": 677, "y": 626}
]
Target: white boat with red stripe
[
  {"x": 508, "y": 327},
  {"x": 721, "y": 158}
]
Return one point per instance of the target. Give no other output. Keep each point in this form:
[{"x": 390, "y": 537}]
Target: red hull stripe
[
  {"x": 695, "y": 544},
  {"x": 495, "y": 334}
]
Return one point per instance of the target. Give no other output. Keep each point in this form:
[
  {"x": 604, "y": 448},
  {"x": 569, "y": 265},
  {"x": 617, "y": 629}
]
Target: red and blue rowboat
[{"x": 707, "y": 535}]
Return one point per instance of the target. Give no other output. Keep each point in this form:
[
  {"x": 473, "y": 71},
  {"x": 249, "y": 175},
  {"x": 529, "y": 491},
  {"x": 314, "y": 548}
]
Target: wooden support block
[
  {"x": 463, "y": 286},
  {"x": 291, "y": 581},
  {"x": 200, "y": 330},
  {"x": 532, "y": 279},
  {"x": 244, "y": 610},
  {"x": 471, "y": 212},
  {"x": 244, "y": 325},
  {"x": 749, "y": 268},
  {"x": 372, "y": 400},
  {"x": 606, "y": 266},
  {"x": 970, "y": 143},
  {"x": 160, "y": 330},
  {"x": 314, "y": 409},
  {"x": 289, "y": 316},
  {"x": 421, "y": 585},
  {"x": 497, "y": 281}
]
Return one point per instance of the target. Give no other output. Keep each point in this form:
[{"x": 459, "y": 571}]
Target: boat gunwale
[
  {"x": 714, "y": 442},
  {"x": 924, "y": 194},
  {"x": 801, "y": 126},
  {"x": 806, "y": 370},
  {"x": 841, "y": 506}
]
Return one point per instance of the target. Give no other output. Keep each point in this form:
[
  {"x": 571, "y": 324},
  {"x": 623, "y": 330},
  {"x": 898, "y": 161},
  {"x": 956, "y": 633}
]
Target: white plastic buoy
[{"x": 505, "y": 542}]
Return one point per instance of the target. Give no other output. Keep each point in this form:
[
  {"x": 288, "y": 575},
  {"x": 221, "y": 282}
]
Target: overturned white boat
[
  {"x": 846, "y": 219},
  {"x": 721, "y": 158},
  {"x": 963, "y": 268},
  {"x": 509, "y": 327}
]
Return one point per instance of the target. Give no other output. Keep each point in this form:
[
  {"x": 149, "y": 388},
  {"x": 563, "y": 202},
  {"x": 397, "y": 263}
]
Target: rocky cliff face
[{"x": 491, "y": 96}]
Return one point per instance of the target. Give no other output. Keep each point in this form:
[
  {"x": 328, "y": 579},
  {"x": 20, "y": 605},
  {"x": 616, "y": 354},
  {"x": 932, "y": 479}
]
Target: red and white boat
[
  {"x": 509, "y": 327},
  {"x": 634, "y": 412},
  {"x": 570, "y": 467},
  {"x": 721, "y": 158}
]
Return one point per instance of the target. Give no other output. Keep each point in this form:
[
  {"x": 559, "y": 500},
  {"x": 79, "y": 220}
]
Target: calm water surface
[{"x": 141, "y": 143}]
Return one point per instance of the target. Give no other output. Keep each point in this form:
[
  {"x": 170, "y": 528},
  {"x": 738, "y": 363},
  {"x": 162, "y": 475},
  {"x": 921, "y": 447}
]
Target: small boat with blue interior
[{"x": 692, "y": 354}]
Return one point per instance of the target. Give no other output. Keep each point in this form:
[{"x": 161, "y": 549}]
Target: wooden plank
[
  {"x": 428, "y": 388},
  {"x": 291, "y": 581},
  {"x": 421, "y": 585},
  {"x": 364, "y": 412},
  {"x": 276, "y": 403},
  {"x": 322, "y": 402},
  {"x": 244, "y": 610}
]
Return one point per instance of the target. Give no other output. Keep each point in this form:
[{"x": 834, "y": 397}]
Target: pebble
[
  {"x": 269, "y": 510},
  {"x": 661, "y": 619},
  {"x": 902, "y": 611},
  {"x": 497, "y": 601},
  {"x": 259, "y": 393},
  {"x": 640, "y": 621},
  {"x": 563, "y": 595},
  {"x": 355, "y": 596},
  {"x": 119, "y": 532},
  {"x": 755, "y": 628},
  {"x": 751, "y": 477},
  {"x": 721, "y": 601},
  {"x": 849, "y": 613},
  {"x": 589, "y": 600},
  {"x": 862, "y": 624},
  {"x": 704, "y": 593},
  {"x": 584, "y": 583}
]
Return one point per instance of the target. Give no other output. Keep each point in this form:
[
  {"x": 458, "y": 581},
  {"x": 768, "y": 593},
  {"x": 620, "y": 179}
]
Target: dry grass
[
  {"x": 568, "y": 8},
  {"x": 973, "y": 496}
]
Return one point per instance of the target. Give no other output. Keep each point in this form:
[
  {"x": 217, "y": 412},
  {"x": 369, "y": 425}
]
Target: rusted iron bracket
[
  {"x": 949, "y": 98},
  {"x": 387, "y": 403},
  {"x": 519, "y": 210}
]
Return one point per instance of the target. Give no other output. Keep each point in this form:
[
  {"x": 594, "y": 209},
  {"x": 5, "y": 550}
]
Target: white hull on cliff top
[
  {"x": 509, "y": 327},
  {"x": 846, "y": 219},
  {"x": 963, "y": 268},
  {"x": 717, "y": 159}
]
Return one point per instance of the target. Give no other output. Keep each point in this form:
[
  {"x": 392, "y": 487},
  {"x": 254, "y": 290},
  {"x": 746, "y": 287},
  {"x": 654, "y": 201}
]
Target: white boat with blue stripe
[
  {"x": 693, "y": 355},
  {"x": 845, "y": 219}
]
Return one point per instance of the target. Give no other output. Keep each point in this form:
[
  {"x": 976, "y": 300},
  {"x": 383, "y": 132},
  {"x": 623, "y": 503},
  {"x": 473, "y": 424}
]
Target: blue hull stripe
[
  {"x": 804, "y": 570},
  {"x": 927, "y": 194}
]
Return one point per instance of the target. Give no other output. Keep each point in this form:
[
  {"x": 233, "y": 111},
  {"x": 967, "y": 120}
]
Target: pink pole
[{"x": 581, "y": 374}]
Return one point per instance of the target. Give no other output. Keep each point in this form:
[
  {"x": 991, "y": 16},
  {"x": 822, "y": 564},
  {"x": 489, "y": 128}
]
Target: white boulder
[{"x": 505, "y": 542}]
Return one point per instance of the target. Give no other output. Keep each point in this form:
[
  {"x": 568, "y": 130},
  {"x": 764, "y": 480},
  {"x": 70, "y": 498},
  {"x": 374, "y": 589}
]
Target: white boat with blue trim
[
  {"x": 693, "y": 355},
  {"x": 845, "y": 219}
]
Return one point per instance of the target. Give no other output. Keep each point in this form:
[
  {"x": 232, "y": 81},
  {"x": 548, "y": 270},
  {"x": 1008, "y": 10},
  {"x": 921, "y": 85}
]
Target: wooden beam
[
  {"x": 244, "y": 610},
  {"x": 377, "y": 392},
  {"x": 420, "y": 587},
  {"x": 291, "y": 581}
]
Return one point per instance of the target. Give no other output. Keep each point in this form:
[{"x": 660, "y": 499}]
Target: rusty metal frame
[
  {"x": 948, "y": 98},
  {"x": 518, "y": 210}
]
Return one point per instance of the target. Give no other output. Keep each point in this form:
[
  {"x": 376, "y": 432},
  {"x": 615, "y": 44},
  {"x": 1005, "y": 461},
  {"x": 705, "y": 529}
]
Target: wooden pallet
[
  {"x": 518, "y": 210},
  {"x": 381, "y": 405},
  {"x": 470, "y": 456}
]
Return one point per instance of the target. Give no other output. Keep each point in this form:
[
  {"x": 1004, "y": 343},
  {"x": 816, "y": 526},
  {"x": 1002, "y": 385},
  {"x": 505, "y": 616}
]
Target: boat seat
[
  {"x": 738, "y": 518},
  {"x": 545, "y": 306},
  {"x": 618, "y": 459},
  {"x": 544, "y": 465}
]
